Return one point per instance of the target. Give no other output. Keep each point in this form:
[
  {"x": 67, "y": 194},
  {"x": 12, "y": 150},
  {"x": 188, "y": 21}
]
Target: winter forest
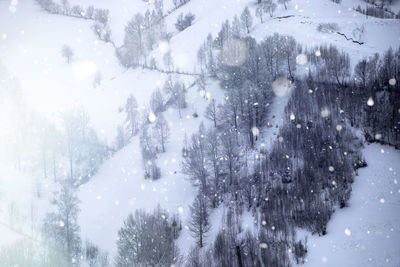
[{"x": 199, "y": 133}]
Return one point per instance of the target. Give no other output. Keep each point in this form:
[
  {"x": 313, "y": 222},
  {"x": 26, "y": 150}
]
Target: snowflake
[
  {"x": 301, "y": 59},
  {"x": 325, "y": 112},
  {"x": 370, "y": 102},
  {"x": 347, "y": 232},
  {"x": 281, "y": 87}
]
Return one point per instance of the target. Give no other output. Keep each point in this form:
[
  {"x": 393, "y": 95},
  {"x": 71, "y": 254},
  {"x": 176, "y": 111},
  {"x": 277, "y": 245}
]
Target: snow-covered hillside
[
  {"x": 31, "y": 41},
  {"x": 367, "y": 232}
]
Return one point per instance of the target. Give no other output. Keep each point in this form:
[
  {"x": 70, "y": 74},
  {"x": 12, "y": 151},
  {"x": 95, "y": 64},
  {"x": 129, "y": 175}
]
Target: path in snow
[{"x": 367, "y": 233}]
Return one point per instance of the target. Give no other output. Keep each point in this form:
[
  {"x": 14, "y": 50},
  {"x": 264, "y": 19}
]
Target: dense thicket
[
  {"x": 147, "y": 239},
  {"x": 372, "y": 99},
  {"x": 378, "y": 9}
]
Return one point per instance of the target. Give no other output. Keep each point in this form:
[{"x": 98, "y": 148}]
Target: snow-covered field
[{"x": 30, "y": 50}]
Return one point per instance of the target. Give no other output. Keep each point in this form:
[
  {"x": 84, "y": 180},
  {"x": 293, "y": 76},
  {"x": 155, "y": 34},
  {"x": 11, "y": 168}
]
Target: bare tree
[
  {"x": 176, "y": 92},
  {"x": 211, "y": 112},
  {"x": 67, "y": 53},
  {"x": 157, "y": 102},
  {"x": 132, "y": 114},
  {"x": 194, "y": 164},
  {"x": 161, "y": 131},
  {"x": 199, "y": 224},
  {"x": 246, "y": 19},
  {"x": 61, "y": 226},
  {"x": 149, "y": 154}
]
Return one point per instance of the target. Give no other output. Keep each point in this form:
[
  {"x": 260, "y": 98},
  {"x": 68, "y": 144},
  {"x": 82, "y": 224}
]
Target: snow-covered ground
[{"x": 366, "y": 233}]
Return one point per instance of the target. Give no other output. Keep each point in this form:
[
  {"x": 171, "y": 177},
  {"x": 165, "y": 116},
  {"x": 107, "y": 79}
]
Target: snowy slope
[
  {"x": 367, "y": 233},
  {"x": 50, "y": 86},
  {"x": 302, "y": 24}
]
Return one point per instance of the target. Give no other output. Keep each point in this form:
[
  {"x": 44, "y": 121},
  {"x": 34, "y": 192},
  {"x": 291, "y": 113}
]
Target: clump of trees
[
  {"x": 247, "y": 85},
  {"x": 378, "y": 9},
  {"x": 179, "y": 3},
  {"x": 83, "y": 150},
  {"x": 265, "y": 7},
  {"x": 70, "y": 151},
  {"x": 150, "y": 124},
  {"x": 374, "y": 78},
  {"x": 153, "y": 138},
  {"x": 65, "y": 8},
  {"x": 94, "y": 256},
  {"x": 148, "y": 239},
  {"x": 100, "y": 16},
  {"x": 175, "y": 94},
  {"x": 141, "y": 33},
  {"x": 61, "y": 227},
  {"x": 184, "y": 22}
]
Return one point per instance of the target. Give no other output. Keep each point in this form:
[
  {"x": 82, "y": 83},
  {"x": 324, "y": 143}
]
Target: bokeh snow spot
[
  {"x": 318, "y": 53},
  {"x": 301, "y": 59},
  {"x": 347, "y": 232},
  {"x": 370, "y": 102},
  {"x": 255, "y": 131},
  {"x": 163, "y": 47},
  {"x": 234, "y": 52},
  {"x": 13, "y": 6},
  {"x": 202, "y": 92},
  {"x": 282, "y": 87},
  {"x": 325, "y": 112},
  {"x": 152, "y": 117},
  {"x": 339, "y": 127},
  {"x": 392, "y": 82}
]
